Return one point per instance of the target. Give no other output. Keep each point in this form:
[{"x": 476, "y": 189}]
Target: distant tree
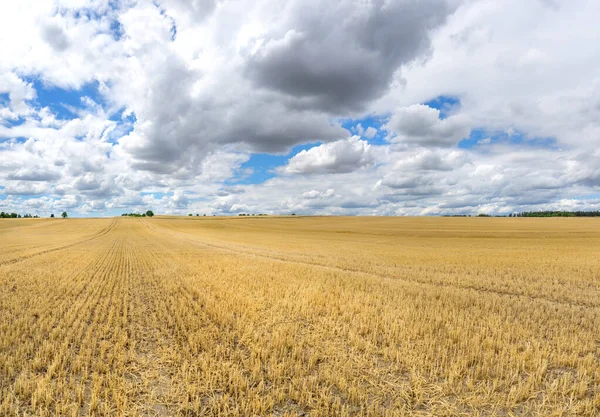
[
  {"x": 52, "y": 215},
  {"x": 197, "y": 215},
  {"x": 150, "y": 213},
  {"x": 190, "y": 214},
  {"x": 205, "y": 215},
  {"x": 64, "y": 215}
]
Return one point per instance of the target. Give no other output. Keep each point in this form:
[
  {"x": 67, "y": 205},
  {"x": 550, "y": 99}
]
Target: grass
[{"x": 300, "y": 316}]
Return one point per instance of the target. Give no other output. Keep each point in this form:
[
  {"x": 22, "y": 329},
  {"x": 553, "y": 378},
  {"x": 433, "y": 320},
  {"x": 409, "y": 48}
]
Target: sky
[{"x": 343, "y": 107}]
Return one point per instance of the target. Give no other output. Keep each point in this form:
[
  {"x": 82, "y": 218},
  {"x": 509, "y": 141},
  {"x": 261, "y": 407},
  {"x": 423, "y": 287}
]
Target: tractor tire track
[{"x": 103, "y": 232}]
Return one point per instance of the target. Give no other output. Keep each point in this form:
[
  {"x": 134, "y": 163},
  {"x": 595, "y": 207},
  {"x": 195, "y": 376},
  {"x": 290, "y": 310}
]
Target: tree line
[
  {"x": 7, "y": 215},
  {"x": 558, "y": 214},
  {"x": 4, "y": 215},
  {"x": 546, "y": 213},
  {"x": 149, "y": 213}
]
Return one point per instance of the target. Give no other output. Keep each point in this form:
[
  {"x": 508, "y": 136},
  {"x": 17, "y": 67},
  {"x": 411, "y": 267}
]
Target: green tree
[
  {"x": 149, "y": 213},
  {"x": 64, "y": 215}
]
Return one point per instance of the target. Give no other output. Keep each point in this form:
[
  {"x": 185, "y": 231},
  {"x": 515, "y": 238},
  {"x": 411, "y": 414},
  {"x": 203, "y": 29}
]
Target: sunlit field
[{"x": 300, "y": 316}]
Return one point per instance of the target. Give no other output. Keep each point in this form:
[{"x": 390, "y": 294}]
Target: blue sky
[{"x": 117, "y": 107}]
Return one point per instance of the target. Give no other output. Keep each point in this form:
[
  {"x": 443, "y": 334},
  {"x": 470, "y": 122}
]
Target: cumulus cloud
[
  {"x": 25, "y": 188},
  {"x": 55, "y": 36},
  {"x": 34, "y": 174},
  {"x": 508, "y": 74},
  {"x": 432, "y": 160},
  {"x": 194, "y": 10},
  {"x": 19, "y": 93},
  {"x": 338, "y": 56},
  {"x": 420, "y": 124},
  {"x": 312, "y": 194},
  {"x": 342, "y": 156},
  {"x": 369, "y": 132},
  {"x": 209, "y": 102}
]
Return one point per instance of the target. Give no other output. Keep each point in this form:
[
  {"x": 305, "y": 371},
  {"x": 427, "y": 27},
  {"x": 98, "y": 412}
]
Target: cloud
[
  {"x": 421, "y": 125},
  {"x": 508, "y": 74},
  {"x": 312, "y": 194},
  {"x": 410, "y": 181},
  {"x": 108, "y": 106},
  {"x": 342, "y": 156},
  {"x": 25, "y": 188},
  {"x": 432, "y": 160},
  {"x": 193, "y": 10},
  {"x": 339, "y": 56},
  {"x": 55, "y": 37},
  {"x": 370, "y": 132},
  {"x": 34, "y": 174},
  {"x": 186, "y": 109},
  {"x": 19, "y": 93}
]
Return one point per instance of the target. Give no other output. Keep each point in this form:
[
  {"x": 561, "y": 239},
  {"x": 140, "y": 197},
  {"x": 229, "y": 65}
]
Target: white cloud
[
  {"x": 524, "y": 66},
  {"x": 312, "y": 194},
  {"x": 25, "y": 188},
  {"x": 420, "y": 124},
  {"x": 342, "y": 156},
  {"x": 370, "y": 132},
  {"x": 33, "y": 173}
]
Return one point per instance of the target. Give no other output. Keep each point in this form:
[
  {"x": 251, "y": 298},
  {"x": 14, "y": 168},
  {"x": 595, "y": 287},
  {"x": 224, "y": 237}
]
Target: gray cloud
[
  {"x": 55, "y": 36},
  {"x": 34, "y": 173},
  {"x": 197, "y": 10},
  {"x": 338, "y": 56},
  {"x": 183, "y": 132},
  {"x": 405, "y": 182},
  {"x": 25, "y": 188}
]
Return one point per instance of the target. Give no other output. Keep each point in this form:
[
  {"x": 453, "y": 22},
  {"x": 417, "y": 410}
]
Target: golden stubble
[{"x": 300, "y": 317}]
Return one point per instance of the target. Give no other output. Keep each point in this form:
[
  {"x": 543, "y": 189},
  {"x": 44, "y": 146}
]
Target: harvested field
[{"x": 304, "y": 316}]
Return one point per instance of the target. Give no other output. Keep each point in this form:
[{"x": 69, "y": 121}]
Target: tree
[
  {"x": 64, "y": 215},
  {"x": 149, "y": 213},
  {"x": 190, "y": 214}
]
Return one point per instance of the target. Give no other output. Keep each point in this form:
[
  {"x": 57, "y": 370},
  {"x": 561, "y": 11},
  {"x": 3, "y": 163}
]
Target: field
[{"x": 209, "y": 316}]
